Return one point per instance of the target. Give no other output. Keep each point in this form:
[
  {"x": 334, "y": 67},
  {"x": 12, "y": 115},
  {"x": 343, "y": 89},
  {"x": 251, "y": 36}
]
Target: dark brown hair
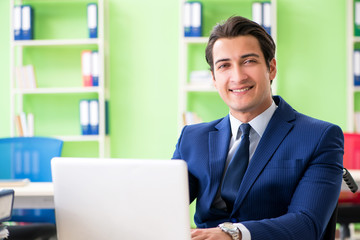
[{"x": 240, "y": 26}]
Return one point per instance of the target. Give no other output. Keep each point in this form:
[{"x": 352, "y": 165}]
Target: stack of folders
[
  {"x": 356, "y": 67},
  {"x": 192, "y": 19},
  {"x": 261, "y": 14},
  {"x": 25, "y": 77},
  {"x": 24, "y": 124},
  {"x": 92, "y": 19},
  {"x": 89, "y": 116},
  {"x": 23, "y": 22},
  {"x": 6, "y": 206},
  {"x": 90, "y": 68}
]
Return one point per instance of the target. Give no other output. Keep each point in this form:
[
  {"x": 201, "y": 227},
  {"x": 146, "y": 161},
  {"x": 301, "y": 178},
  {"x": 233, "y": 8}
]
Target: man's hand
[{"x": 209, "y": 234}]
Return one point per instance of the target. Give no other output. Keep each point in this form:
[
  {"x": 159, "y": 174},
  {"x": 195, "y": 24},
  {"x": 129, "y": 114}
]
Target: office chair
[
  {"x": 349, "y": 202},
  {"x": 30, "y": 157}
]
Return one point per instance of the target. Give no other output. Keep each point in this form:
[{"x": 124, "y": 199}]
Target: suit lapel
[
  {"x": 218, "y": 149},
  {"x": 277, "y": 129}
]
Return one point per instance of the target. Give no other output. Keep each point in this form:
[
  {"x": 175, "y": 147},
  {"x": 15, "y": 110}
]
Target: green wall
[{"x": 144, "y": 69}]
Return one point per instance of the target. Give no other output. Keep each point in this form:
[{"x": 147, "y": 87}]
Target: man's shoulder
[{"x": 207, "y": 126}]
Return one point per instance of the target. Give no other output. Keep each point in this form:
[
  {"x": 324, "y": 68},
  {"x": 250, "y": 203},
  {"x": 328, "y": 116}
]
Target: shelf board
[
  {"x": 58, "y": 90},
  {"x": 200, "y": 88},
  {"x": 57, "y": 42},
  {"x": 196, "y": 39},
  {"x": 79, "y": 138},
  {"x": 356, "y": 88}
]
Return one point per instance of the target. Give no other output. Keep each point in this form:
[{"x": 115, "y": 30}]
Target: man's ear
[
  {"x": 273, "y": 70},
  {"x": 213, "y": 79}
]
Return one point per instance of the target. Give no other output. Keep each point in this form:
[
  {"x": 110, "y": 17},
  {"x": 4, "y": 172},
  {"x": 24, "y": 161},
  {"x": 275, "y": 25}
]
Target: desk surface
[
  {"x": 34, "y": 195},
  {"x": 41, "y": 194}
]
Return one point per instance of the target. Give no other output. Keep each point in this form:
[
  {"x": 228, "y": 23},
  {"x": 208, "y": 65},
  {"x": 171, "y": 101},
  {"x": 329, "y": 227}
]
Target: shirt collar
[{"x": 259, "y": 123}]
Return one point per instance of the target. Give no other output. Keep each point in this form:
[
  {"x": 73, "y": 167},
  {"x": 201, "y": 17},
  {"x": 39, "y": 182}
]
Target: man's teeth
[{"x": 241, "y": 90}]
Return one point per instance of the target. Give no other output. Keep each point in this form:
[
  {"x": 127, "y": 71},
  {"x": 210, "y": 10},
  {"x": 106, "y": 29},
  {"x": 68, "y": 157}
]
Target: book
[
  {"x": 24, "y": 123},
  {"x": 25, "y": 77},
  {"x": 92, "y": 19}
]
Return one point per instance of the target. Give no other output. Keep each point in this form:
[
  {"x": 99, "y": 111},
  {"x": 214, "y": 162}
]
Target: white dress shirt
[{"x": 258, "y": 126}]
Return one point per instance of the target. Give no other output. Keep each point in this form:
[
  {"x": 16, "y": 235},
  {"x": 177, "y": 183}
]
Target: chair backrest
[{"x": 29, "y": 157}]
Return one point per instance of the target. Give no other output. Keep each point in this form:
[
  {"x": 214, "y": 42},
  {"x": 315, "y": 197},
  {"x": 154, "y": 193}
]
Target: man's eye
[
  {"x": 223, "y": 66},
  {"x": 249, "y": 61}
]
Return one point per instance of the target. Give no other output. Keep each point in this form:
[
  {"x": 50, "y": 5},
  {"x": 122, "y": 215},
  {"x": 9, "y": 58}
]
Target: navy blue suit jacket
[{"x": 292, "y": 183}]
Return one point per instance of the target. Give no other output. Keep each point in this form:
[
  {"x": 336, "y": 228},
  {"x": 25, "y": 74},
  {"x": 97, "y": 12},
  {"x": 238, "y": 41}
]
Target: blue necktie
[{"x": 236, "y": 169}]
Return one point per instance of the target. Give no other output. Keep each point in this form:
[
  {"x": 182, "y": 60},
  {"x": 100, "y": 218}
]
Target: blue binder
[
  {"x": 94, "y": 116},
  {"x": 84, "y": 117},
  {"x": 187, "y": 19},
  {"x": 27, "y": 21},
  {"x": 266, "y": 16},
  {"x": 92, "y": 20},
  {"x": 17, "y": 22},
  {"x": 196, "y": 19},
  {"x": 356, "y": 67},
  {"x": 95, "y": 68}
]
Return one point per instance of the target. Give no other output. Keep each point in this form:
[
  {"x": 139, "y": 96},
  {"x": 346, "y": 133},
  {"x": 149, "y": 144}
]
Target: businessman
[{"x": 264, "y": 171}]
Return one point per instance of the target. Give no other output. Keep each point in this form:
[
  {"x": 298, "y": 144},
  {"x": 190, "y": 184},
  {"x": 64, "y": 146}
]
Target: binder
[
  {"x": 92, "y": 19},
  {"x": 356, "y": 67},
  {"x": 23, "y": 121},
  {"x": 30, "y": 124},
  {"x": 267, "y": 16},
  {"x": 27, "y": 22},
  {"x": 6, "y": 204},
  {"x": 257, "y": 13},
  {"x": 17, "y": 22},
  {"x": 187, "y": 19},
  {"x": 94, "y": 117},
  {"x": 196, "y": 19},
  {"x": 84, "y": 117},
  {"x": 357, "y": 18},
  {"x": 86, "y": 68},
  {"x": 95, "y": 68}
]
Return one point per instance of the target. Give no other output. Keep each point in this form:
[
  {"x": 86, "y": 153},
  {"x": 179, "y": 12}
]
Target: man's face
[{"x": 241, "y": 76}]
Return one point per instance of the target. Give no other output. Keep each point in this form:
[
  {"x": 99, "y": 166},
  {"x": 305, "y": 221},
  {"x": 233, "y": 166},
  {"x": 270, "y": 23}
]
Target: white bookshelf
[
  {"x": 101, "y": 92},
  {"x": 185, "y": 42}
]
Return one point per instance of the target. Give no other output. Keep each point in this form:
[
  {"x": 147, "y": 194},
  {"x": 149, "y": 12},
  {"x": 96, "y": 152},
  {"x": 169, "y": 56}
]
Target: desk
[{"x": 34, "y": 195}]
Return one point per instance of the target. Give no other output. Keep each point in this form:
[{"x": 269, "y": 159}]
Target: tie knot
[{"x": 245, "y": 128}]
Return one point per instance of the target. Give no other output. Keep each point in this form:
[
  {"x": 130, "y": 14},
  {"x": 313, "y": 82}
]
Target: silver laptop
[{"x": 128, "y": 199}]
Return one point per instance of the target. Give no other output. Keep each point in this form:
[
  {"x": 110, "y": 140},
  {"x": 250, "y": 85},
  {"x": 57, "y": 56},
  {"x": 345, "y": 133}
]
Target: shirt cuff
[{"x": 244, "y": 231}]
